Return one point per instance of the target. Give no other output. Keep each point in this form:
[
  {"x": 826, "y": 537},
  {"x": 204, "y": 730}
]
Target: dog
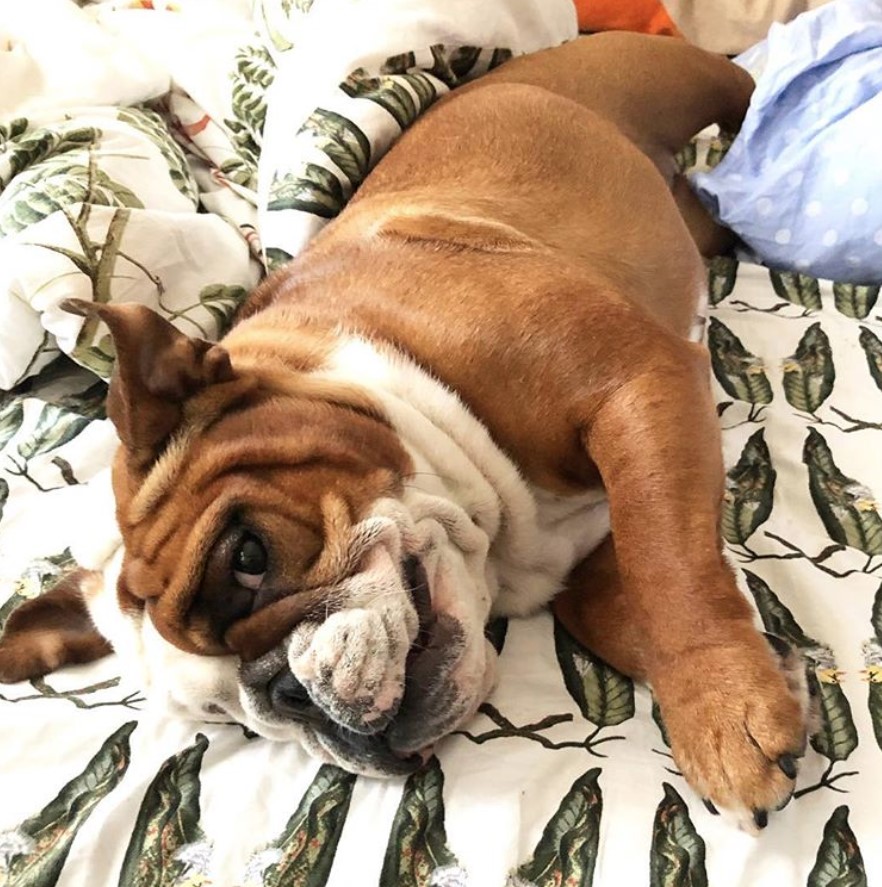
[{"x": 433, "y": 416}]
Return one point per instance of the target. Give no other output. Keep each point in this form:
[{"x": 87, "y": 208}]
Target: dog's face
[{"x": 270, "y": 547}]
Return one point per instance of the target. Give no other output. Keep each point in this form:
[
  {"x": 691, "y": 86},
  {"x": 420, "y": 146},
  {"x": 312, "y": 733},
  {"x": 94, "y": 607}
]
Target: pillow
[
  {"x": 645, "y": 16},
  {"x": 801, "y": 184}
]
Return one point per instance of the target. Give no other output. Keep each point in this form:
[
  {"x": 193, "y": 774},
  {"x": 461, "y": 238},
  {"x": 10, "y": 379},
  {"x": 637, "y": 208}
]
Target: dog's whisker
[{"x": 443, "y": 477}]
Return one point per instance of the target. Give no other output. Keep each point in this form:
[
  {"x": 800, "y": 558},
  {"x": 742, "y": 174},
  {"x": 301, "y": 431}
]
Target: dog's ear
[
  {"x": 157, "y": 369},
  {"x": 50, "y": 631},
  {"x": 448, "y": 230}
]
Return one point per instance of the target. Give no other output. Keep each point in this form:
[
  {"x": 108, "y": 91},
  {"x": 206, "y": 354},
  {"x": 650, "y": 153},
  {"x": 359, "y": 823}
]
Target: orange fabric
[{"x": 646, "y": 16}]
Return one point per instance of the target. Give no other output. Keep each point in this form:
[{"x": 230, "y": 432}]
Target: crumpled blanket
[
  {"x": 801, "y": 184},
  {"x": 97, "y": 199},
  {"x": 135, "y": 168}
]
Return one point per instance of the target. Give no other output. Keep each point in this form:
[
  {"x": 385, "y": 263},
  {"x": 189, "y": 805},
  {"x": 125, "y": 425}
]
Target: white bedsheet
[{"x": 564, "y": 778}]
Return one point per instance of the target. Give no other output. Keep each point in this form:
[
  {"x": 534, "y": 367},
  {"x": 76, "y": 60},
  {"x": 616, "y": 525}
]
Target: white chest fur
[{"x": 534, "y": 538}]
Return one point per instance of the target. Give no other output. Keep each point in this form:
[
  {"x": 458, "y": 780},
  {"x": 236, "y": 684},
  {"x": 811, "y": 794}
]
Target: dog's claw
[
  {"x": 710, "y": 807},
  {"x": 784, "y": 803},
  {"x": 787, "y": 763},
  {"x": 748, "y": 762}
]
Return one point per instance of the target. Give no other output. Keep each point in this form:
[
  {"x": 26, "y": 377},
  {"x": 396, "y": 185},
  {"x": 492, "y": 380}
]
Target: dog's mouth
[{"x": 417, "y": 584}]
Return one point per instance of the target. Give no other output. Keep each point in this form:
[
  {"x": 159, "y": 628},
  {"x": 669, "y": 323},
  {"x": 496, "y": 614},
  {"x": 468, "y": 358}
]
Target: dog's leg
[
  {"x": 50, "y": 631},
  {"x": 659, "y": 91},
  {"x": 711, "y": 238},
  {"x": 596, "y": 611},
  {"x": 676, "y": 615}
]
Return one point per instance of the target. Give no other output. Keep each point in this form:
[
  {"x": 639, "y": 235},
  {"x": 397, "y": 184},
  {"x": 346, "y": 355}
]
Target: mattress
[{"x": 564, "y": 777}]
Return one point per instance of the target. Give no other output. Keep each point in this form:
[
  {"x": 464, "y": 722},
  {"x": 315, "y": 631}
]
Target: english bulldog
[{"x": 434, "y": 416}]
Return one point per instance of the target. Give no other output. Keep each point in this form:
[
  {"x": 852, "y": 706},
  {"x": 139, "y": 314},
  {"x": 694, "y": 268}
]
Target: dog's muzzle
[
  {"x": 372, "y": 737},
  {"x": 376, "y": 683}
]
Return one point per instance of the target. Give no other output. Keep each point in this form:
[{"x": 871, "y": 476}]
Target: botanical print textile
[{"x": 564, "y": 777}]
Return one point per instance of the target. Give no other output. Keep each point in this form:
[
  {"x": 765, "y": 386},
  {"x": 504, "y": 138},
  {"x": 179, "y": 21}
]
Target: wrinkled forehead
[
  {"x": 301, "y": 476},
  {"x": 253, "y": 433}
]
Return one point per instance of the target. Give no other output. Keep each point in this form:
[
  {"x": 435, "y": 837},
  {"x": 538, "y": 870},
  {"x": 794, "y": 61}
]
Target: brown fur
[
  {"x": 521, "y": 240},
  {"x": 51, "y": 631},
  {"x": 551, "y": 283},
  {"x": 299, "y": 449}
]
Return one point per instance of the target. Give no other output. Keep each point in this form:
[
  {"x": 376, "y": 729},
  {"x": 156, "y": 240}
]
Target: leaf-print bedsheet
[{"x": 150, "y": 191}]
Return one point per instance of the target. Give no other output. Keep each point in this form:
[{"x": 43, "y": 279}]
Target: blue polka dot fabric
[{"x": 802, "y": 183}]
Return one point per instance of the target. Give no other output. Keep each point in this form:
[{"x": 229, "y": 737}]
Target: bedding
[
  {"x": 564, "y": 776},
  {"x": 722, "y": 26},
  {"x": 719, "y": 26},
  {"x": 799, "y": 185}
]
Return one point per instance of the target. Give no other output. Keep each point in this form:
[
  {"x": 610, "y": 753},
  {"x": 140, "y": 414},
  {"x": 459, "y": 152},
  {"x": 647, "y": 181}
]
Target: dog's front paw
[
  {"x": 737, "y": 718},
  {"x": 354, "y": 666}
]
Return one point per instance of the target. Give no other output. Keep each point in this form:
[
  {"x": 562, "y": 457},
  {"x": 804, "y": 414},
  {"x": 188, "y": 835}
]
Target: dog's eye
[{"x": 249, "y": 562}]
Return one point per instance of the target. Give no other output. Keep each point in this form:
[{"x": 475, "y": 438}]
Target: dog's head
[{"x": 270, "y": 545}]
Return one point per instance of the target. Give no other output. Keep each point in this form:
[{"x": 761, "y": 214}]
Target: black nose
[{"x": 289, "y": 697}]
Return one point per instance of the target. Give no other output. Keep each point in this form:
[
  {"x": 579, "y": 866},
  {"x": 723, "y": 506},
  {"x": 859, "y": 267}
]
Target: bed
[{"x": 151, "y": 192}]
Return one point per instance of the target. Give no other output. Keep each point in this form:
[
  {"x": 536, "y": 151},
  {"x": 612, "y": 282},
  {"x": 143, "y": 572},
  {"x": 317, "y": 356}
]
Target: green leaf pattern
[
  {"x": 837, "y": 735},
  {"x": 276, "y": 257},
  {"x": 55, "y": 427},
  {"x": 872, "y": 346},
  {"x": 809, "y": 372},
  {"x": 304, "y": 851},
  {"x": 222, "y": 302},
  {"x": 872, "y": 650},
  {"x": 167, "y": 823},
  {"x": 417, "y": 847},
  {"x": 404, "y": 96},
  {"x": 23, "y": 149},
  {"x": 677, "y": 857},
  {"x": 777, "y": 619},
  {"x": 11, "y": 418},
  {"x": 718, "y": 148},
  {"x": 659, "y": 722},
  {"x": 799, "y": 289},
  {"x": 722, "y": 273},
  {"x": 11, "y": 131},
  {"x": 847, "y": 508},
  {"x": 255, "y": 71},
  {"x": 150, "y": 124},
  {"x": 854, "y": 300},
  {"x": 874, "y": 690},
  {"x": 44, "y": 840},
  {"x": 741, "y": 374},
  {"x": 567, "y": 851},
  {"x": 45, "y": 189},
  {"x": 315, "y": 190},
  {"x": 604, "y": 696},
  {"x": 839, "y": 862},
  {"x": 343, "y": 143},
  {"x": 750, "y": 487},
  {"x": 37, "y": 578}
]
